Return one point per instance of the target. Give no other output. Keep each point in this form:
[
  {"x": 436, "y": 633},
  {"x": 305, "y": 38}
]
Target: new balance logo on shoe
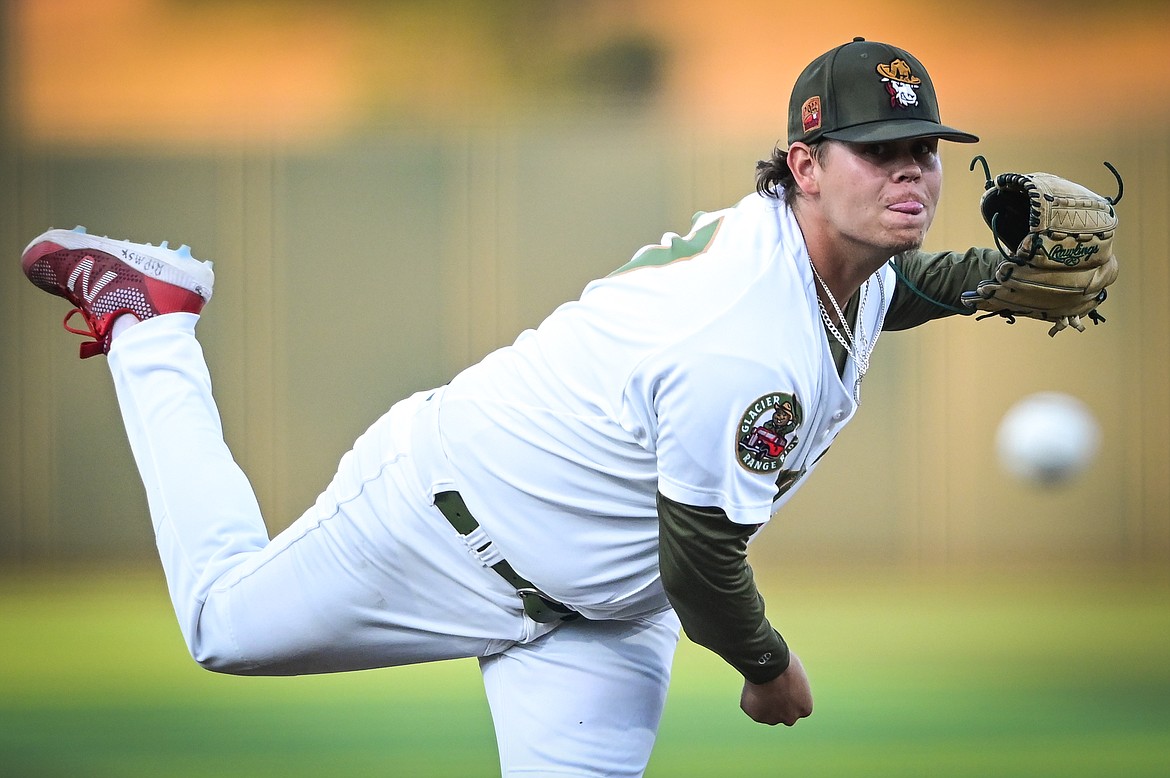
[{"x": 83, "y": 273}]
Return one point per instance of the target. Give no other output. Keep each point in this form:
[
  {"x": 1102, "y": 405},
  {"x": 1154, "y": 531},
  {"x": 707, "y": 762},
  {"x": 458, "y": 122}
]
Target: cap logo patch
[
  {"x": 901, "y": 83},
  {"x": 810, "y": 113},
  {"x": 767, "y": 432}
]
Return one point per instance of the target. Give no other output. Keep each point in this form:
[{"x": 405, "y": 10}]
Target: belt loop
[{"x": 482, "y": 547}]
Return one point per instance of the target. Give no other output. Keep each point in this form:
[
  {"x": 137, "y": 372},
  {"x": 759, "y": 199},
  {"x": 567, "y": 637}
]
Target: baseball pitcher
[{"x": 561, "y": 508}]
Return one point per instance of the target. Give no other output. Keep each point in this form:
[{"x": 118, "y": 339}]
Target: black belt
[{"x": 539, "y": 607}]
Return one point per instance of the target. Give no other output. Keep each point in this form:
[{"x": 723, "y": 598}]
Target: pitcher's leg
[
  {"x": 205, "y": 514},
  {"x": 370, "y": 576},
  {"x": 584, "y": 700}
]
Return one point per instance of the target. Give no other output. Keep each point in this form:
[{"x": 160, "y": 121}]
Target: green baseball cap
[{"x": 865, "y": 92}]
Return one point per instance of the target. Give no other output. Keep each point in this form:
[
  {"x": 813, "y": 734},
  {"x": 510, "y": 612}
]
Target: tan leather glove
[{"x": 1057, "y": 240}]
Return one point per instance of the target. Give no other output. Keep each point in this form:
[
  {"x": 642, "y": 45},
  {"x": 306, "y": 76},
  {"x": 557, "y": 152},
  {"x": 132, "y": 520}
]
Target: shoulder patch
[{"x": 767, "y": 432}]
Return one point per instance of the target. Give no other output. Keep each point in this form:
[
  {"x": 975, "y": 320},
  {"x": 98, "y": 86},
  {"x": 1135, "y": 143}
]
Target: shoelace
[{"x": 99, "y": 342}]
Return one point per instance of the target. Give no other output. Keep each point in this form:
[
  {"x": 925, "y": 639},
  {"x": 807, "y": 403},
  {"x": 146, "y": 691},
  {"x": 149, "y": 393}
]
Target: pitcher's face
[{"x": 880, "y": 195}]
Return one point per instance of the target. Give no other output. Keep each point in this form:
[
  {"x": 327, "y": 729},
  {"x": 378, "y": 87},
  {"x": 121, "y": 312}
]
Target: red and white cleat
[{"x": 106, "y": 278}]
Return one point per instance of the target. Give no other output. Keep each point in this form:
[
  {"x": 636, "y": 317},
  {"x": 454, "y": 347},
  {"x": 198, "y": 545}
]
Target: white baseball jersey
[{"x": 700, "y": 369}]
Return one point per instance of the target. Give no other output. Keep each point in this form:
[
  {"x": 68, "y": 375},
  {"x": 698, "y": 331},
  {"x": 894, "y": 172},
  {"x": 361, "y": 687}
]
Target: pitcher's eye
[{"x": 926, "y": 147}]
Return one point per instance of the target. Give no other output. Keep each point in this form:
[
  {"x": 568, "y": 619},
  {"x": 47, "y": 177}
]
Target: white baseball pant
[{"x": 371, "y": 576}]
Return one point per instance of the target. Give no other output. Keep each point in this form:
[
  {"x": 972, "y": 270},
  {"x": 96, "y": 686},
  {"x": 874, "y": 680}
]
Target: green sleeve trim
[{"x": 679, "y": 247}]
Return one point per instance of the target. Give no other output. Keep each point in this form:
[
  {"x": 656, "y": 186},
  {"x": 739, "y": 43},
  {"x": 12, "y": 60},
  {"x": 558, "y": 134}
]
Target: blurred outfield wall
[
  {"x": 350, "y": 277},
  {"x": 354, "y": 270}
]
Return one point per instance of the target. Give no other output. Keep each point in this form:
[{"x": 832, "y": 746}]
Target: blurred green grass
[{"x": 977, "y": 673}]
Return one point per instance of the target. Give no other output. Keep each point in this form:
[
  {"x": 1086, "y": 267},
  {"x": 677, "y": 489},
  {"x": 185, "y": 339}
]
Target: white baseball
[{"x": 1048, "y": 438}]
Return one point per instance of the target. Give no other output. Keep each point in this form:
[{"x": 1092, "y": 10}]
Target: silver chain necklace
[{"x": 856, "y": 345}]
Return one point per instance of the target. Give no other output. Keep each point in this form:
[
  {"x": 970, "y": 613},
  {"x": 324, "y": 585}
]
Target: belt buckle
[{"x": 541, "y": 609}]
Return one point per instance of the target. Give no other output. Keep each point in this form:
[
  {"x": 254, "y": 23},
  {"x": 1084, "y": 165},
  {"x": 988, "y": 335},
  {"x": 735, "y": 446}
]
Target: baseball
[{"x": 1047, "y": 438}]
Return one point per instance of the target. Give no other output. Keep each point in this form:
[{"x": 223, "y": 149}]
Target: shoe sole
[{"x": 169, "y": 266}]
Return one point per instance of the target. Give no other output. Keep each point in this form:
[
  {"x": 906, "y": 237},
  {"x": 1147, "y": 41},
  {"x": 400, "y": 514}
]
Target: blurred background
[
  {"x": 392, "y": 189},
  {"x": 389, "y": 190}
]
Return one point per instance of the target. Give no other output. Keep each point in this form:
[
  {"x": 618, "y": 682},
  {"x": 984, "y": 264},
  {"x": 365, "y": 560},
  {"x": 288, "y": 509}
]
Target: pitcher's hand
[{"x": 783, "y": 700}]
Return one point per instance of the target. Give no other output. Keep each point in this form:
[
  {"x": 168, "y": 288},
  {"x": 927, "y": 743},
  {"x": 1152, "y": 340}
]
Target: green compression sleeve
[
  {"x": 930, "y": 285},
  {"x": 703, "y": 561}
]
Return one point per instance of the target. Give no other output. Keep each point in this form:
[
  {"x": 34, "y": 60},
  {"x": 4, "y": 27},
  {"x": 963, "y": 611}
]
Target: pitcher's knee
[
  {"x": 212, "y": 641},
  {"x": 220, "y": 658}
]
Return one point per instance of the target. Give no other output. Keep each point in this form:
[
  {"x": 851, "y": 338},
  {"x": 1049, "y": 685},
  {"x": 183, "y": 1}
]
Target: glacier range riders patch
[{"x": 767, "y": 432}]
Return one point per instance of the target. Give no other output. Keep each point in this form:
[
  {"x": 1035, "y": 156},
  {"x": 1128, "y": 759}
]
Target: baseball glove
[{"x": 1056, "y": 238}]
